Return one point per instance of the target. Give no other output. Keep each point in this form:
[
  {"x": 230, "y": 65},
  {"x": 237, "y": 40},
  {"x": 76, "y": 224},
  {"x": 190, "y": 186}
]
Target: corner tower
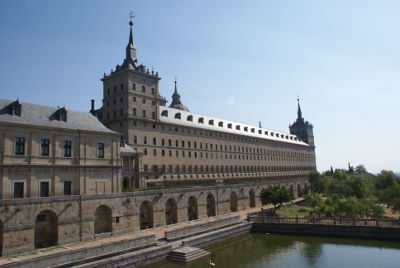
[
  {"x": 302, "y": 129},
  {"x": 130, "y": 94}
]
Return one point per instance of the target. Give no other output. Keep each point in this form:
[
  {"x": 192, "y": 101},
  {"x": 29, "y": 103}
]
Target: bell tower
[
  {"x": 130, "y": 94},
  {"x": 302, "y": 129}
]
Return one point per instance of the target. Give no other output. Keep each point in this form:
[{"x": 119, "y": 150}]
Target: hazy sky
[{"x": 241, "y": 60}]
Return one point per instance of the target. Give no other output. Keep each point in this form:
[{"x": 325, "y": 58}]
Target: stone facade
[
  {"x": 85, "y": 217},
  {"x": 176, "y": 144}
]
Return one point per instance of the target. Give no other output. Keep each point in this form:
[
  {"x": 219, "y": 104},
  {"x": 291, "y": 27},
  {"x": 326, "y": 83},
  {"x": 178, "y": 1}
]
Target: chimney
[{"x": 92, "y": 106}]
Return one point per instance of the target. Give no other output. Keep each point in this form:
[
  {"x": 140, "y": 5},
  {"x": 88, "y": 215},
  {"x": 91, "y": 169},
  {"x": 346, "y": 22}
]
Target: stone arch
[
  {"x": 103, "y": 220},
  {"x": 125, "y": 183},
  {"x": 210, "y": 205},
  {"x": 233, "y": 201},
  {"x": 171, "y": 211},
  {"x": 300, "y": 190},
  {"x": 146, "y": 215},
  {"x": 1, "y": 237},
  {"x": 252, "y": 197},
  {"x": 192, "y": 209},
  {"x": 46, "y": 229}
]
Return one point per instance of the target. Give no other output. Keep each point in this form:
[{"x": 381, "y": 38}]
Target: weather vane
[{"x": 131, "y": 16}]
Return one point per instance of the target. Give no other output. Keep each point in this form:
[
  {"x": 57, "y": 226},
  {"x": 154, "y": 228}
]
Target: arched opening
[
  {"x": 103, "y": 220},
  {"x": 299, "y": 191},
  {"x": 171, "y": 212},
  {"x": 1, "y": 238},
  {"x": 210, "y": 205},
  {"x": 146, "y": 215},
  {"x": 192, "y": 209},
  {"x": 125, "y": 183},
  {"x": 46, "y": 229},
  {"x": 252, "y": 197},
  {"x": 234, "y": 202}
]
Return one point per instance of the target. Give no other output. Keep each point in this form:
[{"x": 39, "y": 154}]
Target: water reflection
[{"x": 263, "y": 250}]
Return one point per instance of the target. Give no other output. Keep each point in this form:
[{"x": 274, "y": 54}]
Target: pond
[{"x": 270, "y": 250}]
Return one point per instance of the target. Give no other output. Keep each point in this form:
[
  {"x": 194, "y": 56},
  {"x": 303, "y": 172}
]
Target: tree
[
  {"x": 317, "y": 182},
  {"x": 276, "y": 196},
  {"x": 360, "y": 169}
]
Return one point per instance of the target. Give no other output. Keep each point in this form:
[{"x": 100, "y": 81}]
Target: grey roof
[
  {"x": 126, "y": 149},
  {"x": 44, "y": 116}
]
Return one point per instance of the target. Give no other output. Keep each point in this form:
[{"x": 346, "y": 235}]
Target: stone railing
[{"x": 326, "y": 221}]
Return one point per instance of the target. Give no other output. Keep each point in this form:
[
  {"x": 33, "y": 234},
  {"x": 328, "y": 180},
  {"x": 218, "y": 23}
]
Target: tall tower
[
  {"x": 130, "y": 94},
  {"x": 302, "y": 129}
]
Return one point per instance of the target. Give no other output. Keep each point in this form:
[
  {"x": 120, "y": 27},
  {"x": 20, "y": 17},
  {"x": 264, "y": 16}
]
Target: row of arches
[{"x": 46, "y": 222}]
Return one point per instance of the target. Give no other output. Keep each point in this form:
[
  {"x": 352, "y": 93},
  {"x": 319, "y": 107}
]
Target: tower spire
[
  {"x": 299, "y": 114},
  {"x": 176, "y": 100},
  {"x": 130, "y": 59}
]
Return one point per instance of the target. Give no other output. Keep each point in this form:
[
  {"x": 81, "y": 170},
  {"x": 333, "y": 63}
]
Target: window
[
  {"x": 122, "y": 87},
  {"x": 134, "y": 111},
  {"x": 100, "y": 150},
  {"x": 134, "y": 99},
  {"x": 153, "y": 115},
  {"x": 19, "y": 145},
  {"x": 18, "y": 190},
  {"x": 44, "y": 147},
  {"x": 153, "y": 103},
  {"x": 154, "y": 141},
  {"x": 121, "y": 112},
  {"x": 144, "y": 113},
  {"x": 44, "y": 189},
  {"x": 67, "y": 148},
  {"x": 134, "y": 86},
  {"x": 67, "y": 187},
  {"x": 108, "y": 91},
  {"x": 153, "y": 91},
  {"x": 143, "y": 89},
  {"x": 144, "y": 101}
]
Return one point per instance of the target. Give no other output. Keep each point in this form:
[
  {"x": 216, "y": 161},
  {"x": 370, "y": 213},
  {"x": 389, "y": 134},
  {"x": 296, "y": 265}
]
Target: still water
[{"x": 263, "y": 250}]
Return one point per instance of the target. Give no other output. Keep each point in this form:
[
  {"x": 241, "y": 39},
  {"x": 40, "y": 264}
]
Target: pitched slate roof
[{"x": 44, "y": 116}]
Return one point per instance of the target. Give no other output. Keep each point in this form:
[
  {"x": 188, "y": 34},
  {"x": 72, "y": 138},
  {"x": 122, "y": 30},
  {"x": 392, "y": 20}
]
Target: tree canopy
[{"x": 276, "y": 196}]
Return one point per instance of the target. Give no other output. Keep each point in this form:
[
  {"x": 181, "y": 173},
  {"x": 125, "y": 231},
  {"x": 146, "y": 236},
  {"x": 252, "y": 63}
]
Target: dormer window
[
  {"x": 61, "y": 115},
  {"x": 237, "y": 127},
  {"x": 229, "y": 125},
  {"x": 246, "y": 129},
  {"x": 253, "y": 130},
  {"x": 164, "y": 113},
  {"x": 178, "y": 116},
  {"x": 259, "y": 131},
  {"x": 190, "y": 118},
  {"x": 211, "y": 122},
  {"x": 15, "y": 108},
  {"x": 266, "y": 133},
  {"x": 201, "y": 120},
  {"x": 221, "y": 124}
]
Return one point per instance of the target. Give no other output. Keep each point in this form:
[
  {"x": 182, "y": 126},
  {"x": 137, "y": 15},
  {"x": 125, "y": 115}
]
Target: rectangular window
[
  {"x": 144, "y": 101},
  {"x": 134, "y": 111},
  {"x": 44, "y": 189},
  {"x": 134, "y": 86},
  {"x": 100, "y": 150},
  {"x": 153, "y": 115},
  {"x": 44, "y": 147},
  {"x": 18, "y": 190},
  {"x": 67, "y": 148},
  {"x": 143, "y": 89},
  {"x": 67, "y": 187},
  {"x": 134, "y": 99},
  {"x": 144, "y": 113},
  {"x": 20, "y": 146}
]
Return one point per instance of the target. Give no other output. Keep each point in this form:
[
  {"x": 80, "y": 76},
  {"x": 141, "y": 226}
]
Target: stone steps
[{"x": 186, "y": 254}]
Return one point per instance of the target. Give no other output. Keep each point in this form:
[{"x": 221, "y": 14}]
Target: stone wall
[{"x": 76, "y": 215}]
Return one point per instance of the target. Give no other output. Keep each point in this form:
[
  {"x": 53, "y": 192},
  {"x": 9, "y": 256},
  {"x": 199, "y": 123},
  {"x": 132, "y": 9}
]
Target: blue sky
[{"x": 241, "y": 60}]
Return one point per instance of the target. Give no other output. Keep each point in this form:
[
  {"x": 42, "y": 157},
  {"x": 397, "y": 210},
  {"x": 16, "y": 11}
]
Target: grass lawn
[{"x": 293, "y": 211}]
